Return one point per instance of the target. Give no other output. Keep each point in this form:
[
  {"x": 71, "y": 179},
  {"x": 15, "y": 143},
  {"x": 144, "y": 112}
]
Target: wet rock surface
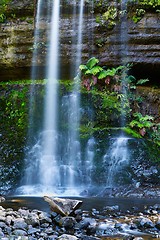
[
  {"x": 133, "y": 190},
  {"x": 109, "y": 223}
]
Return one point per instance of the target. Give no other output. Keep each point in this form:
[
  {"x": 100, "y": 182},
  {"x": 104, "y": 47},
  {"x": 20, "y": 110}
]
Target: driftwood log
[{"x": 64, "y": 207}]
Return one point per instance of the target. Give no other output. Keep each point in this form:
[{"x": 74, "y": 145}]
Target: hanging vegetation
[{"x": 117, "y": 90}]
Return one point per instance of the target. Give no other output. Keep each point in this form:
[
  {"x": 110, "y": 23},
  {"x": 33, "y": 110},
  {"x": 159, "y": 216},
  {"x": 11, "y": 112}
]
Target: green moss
[
  {"x": 152, "y": 150},
  {"x": 66, "y": 85},
  {"x": 138, "y": 15},
  {"x": 154, "y": 4},
  {"x": 3, "y": 10},
  {"x": 109, "y": 18},
  {"x": 23, "y": 82},
  {"x": 136, "y": 9},
  {"x": 131, "y": 132},
  {"x": 88, "y": 130}
]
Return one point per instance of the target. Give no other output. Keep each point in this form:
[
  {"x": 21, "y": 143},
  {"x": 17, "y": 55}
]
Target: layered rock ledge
[{"x": 137, "y": 43}]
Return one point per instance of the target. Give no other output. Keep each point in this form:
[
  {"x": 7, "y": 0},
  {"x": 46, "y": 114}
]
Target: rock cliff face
[{"x": 137, "y": 43}]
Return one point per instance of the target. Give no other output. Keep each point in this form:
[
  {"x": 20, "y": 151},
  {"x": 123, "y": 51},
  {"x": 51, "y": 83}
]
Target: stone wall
[{"x": 137, "y": 43}]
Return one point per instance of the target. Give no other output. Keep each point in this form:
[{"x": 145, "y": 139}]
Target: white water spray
[
  {"x": 116, "y": 159},
  {"x": 88, "y": 165}
]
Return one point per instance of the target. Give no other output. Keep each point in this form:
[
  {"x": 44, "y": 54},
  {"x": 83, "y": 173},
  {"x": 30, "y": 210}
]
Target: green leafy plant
[
  {"x": 3, "y": 10},
  {"x": 92, "y": 73},
  {"x": 108, "y": 17},
  {"x": 2, "y": 17},
  {"x": 138, "y": 8},
  {"x": 116, "y": 80},
  {"x": 156, "y": 133},
  {"x": 142, "y": 81},
  {"x": 149, "y": 3},
  {"x": 142, "y": 123},
  {"x": 138, "y": 15},
  {"x": 116, "y": 92}
]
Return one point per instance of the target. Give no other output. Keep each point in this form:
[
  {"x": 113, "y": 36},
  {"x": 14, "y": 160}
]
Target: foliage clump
[
  {"x": 109, "y": 13},
  {"x": 4, "y": 10},
  {"x": 137, "y": 8},
  {"x": 108, "y": 18},
  {"x": 14, "y": 122},
  {"x": 116, "y": 89}
]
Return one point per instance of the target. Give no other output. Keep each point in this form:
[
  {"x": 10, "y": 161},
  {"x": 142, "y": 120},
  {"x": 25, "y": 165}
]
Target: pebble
[{"x": 26, "y": 224}]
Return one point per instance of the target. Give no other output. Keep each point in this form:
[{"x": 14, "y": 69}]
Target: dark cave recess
[
  {"x": 143, "y": 71},
  {"x": 139, "y": 71}
]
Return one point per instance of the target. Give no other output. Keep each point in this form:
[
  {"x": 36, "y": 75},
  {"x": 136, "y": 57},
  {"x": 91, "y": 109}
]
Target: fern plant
[
  {"x": 142, "y": 123},
  {"x": 92, "y": 72},
  {"x": 91, "y": 67},
  {"x": 3, "y": 10}
]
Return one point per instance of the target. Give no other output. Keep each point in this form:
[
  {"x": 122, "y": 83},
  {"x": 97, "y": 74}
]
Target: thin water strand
[
  {"x": 74, "y": 158},
  {"x": 31, "y": 166},
  {"x": 116, "y": 158},
  {"x": 33, "y": 69},
  {"x": 80, "y": 34},
  {"x": 48, "y": 163}
]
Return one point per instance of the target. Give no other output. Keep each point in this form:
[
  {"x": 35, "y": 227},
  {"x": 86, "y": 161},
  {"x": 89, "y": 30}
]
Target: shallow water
[{"x": 139, "y": 205}]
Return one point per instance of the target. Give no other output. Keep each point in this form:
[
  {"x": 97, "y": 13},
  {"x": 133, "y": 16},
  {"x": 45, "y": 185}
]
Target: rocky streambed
[{"x": 110, "y": 222}]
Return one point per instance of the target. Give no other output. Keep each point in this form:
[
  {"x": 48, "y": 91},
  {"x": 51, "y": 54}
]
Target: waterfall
[
  {"x": 88, "y": 165},
  {"x": 124, "y": 57},
  {"x": 32, "y": 155},
  {"x": 71, "y": 169},
  {"x": 124, "y": 34},
  {"x": 55, "y": 163},
  {"x": 48, "y": 162},
  {"x": 47, "y": 169},
  {"x": 79, "y": 41},
  {"x": 34, "y": 63},
  {"x": 116, "y": 159},
  {"x": 74, "y": 99},
  {"x": 117, "y": 156},
  {"x": 42, "y": 173}
]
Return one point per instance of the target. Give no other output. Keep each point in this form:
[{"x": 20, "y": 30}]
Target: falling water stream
[
  {"x": 34, "y": 61},
  {"x": 74, "y": 160},
  {"x": 55, "y": 164},
  {"x": 48, "y": 170},
  {"x": 42, "y": 173},
  {"x": 117, "y": 155},
  {"x": 48, "y": 162}
]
